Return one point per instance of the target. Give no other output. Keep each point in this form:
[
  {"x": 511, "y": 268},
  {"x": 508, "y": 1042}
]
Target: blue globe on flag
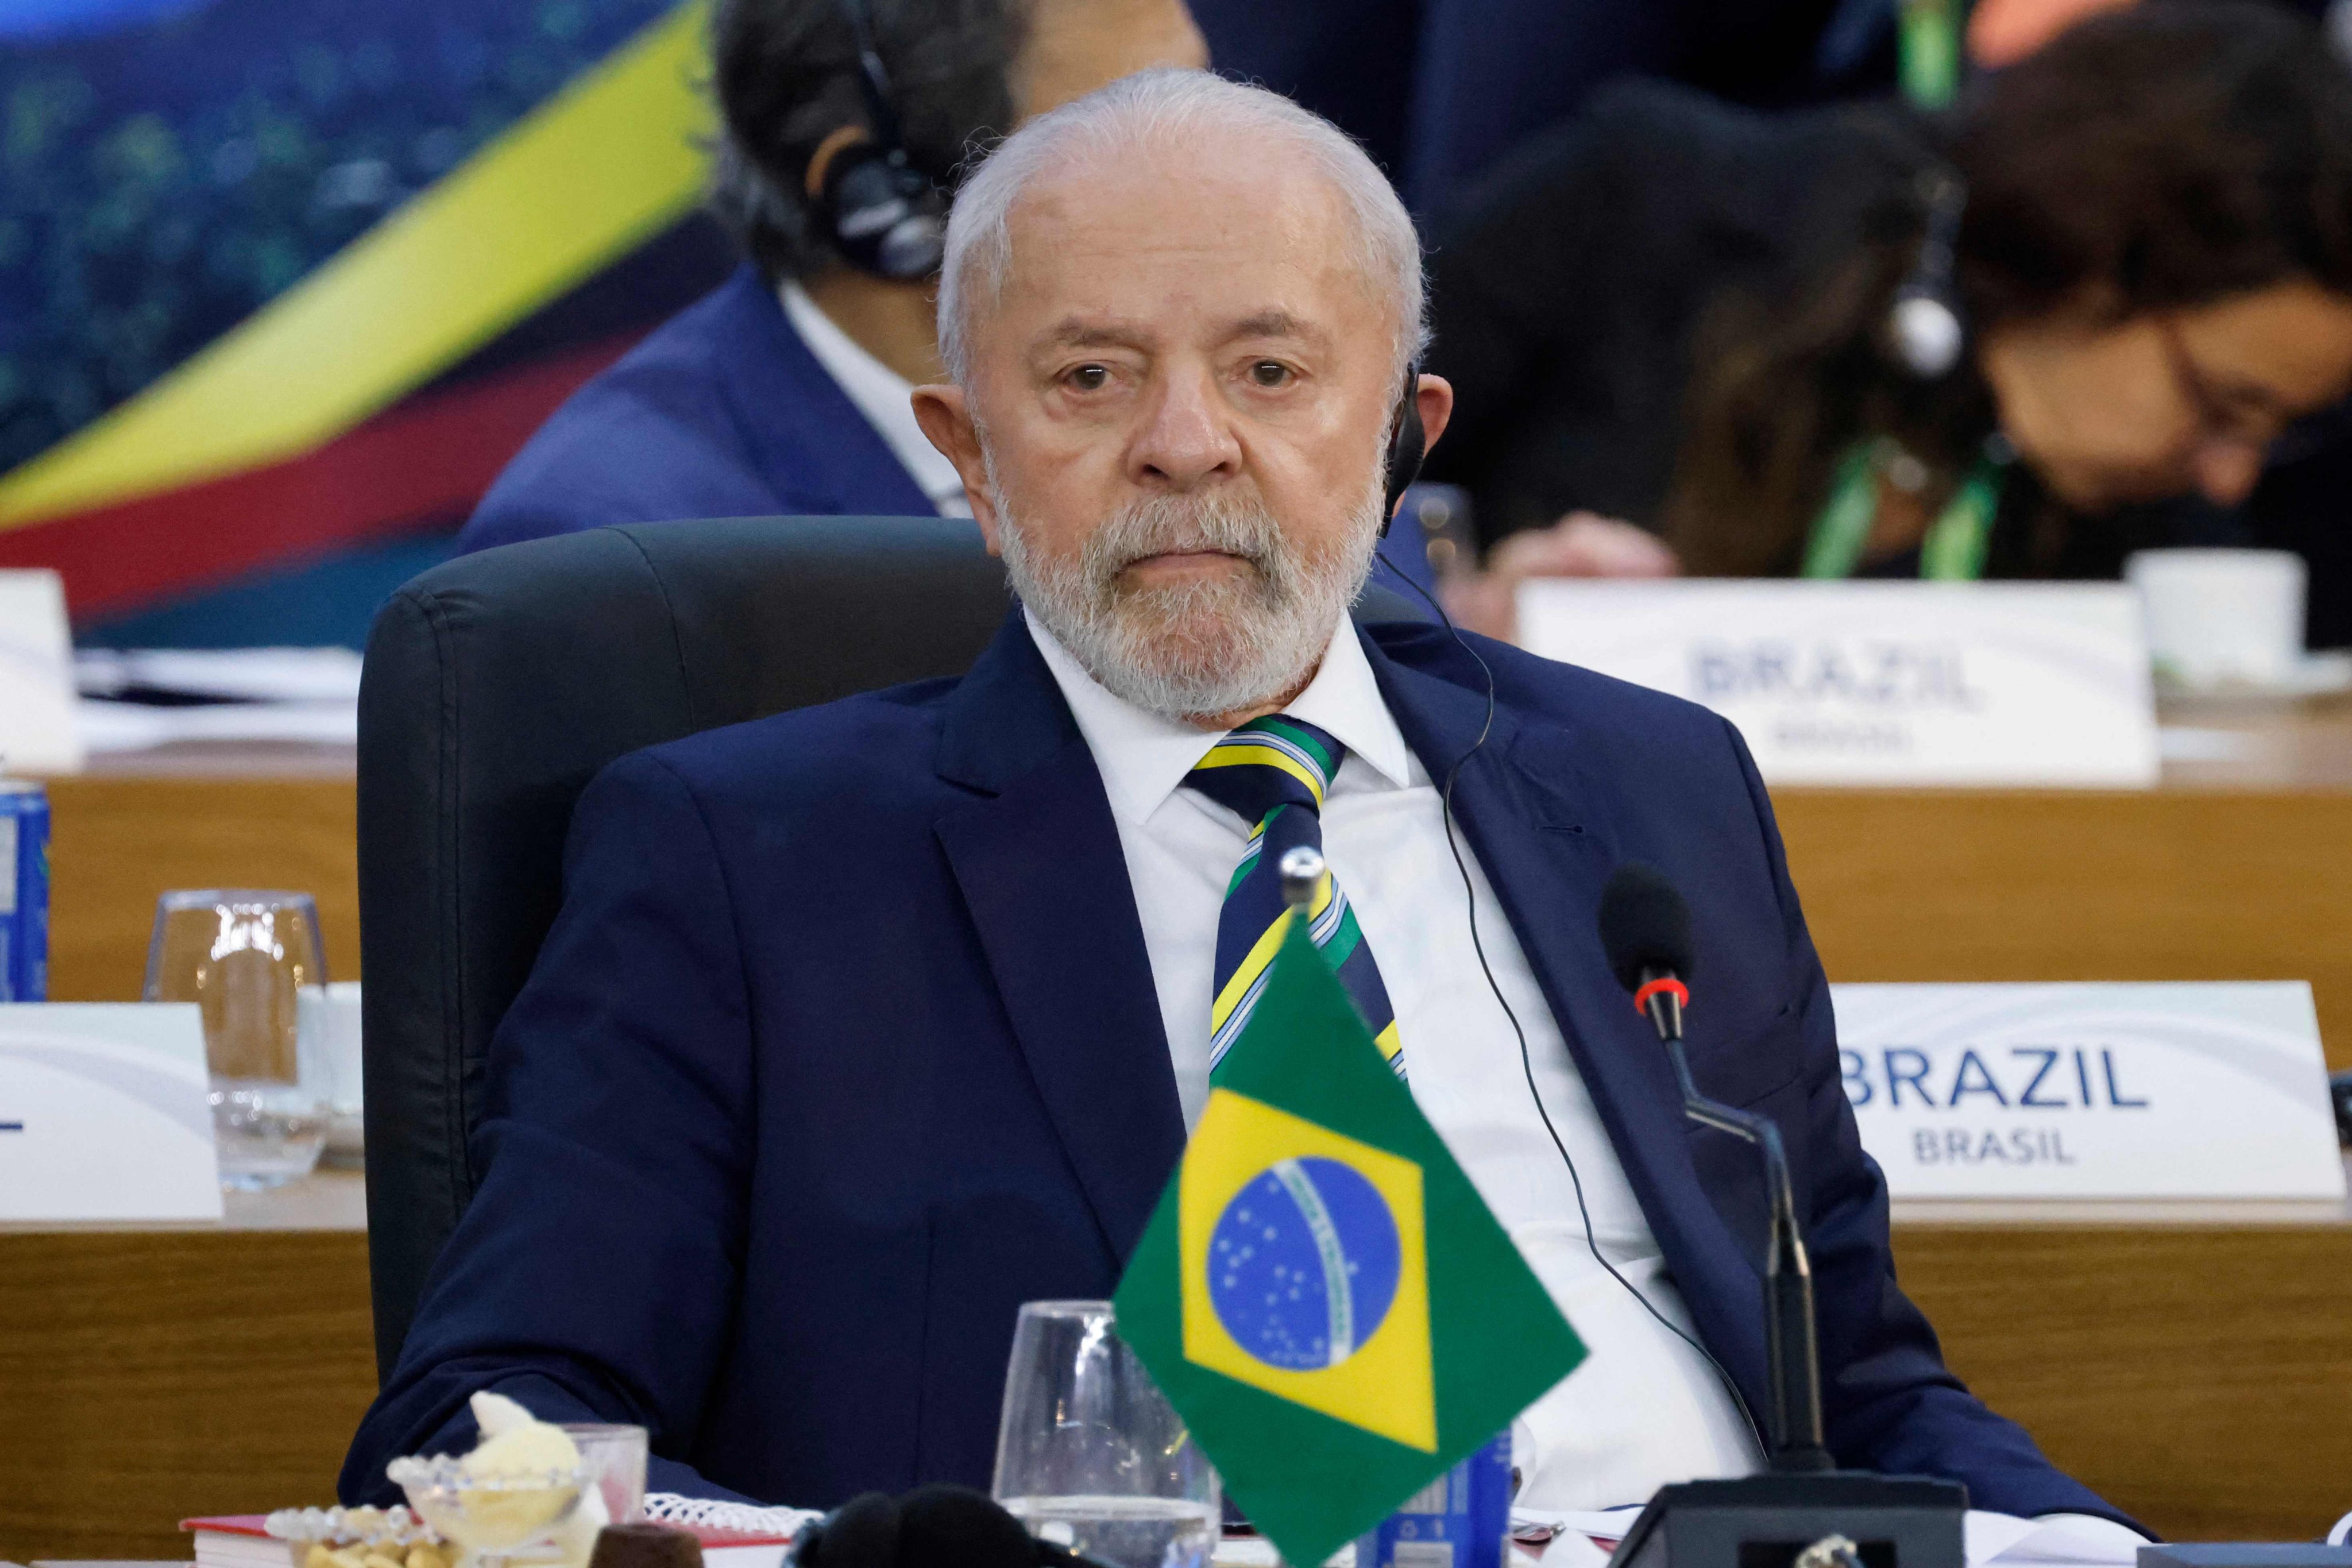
[{"x": 1303, "y": 1263}]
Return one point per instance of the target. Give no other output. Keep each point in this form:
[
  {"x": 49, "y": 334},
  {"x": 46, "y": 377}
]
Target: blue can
[
  {"x": 23, "y": 892},
  {"x": 1457, "y": 1520}
]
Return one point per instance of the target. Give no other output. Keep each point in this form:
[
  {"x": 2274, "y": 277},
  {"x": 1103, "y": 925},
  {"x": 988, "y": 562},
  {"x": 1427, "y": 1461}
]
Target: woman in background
[{"x": 1686, "y": 317}]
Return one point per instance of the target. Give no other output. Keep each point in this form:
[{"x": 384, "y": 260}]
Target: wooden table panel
[
  {"x": 2198, "y": 1376},
  {"x": 2088, "y": 885},
  {"x": 146, "y": 1376}
]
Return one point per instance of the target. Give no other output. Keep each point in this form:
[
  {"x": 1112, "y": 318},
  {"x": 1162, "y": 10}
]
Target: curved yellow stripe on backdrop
[{"x": 604, "y": 165}]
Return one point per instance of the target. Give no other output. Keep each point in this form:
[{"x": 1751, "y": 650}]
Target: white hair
[{"x": 1170, "y": 108}]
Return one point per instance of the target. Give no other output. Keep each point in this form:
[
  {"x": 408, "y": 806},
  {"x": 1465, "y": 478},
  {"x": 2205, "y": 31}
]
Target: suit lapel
[
  {"x": 815, "y": 450},
  {"x": 1039, "y": 863},
  {"x": 1542, "y": 836}
]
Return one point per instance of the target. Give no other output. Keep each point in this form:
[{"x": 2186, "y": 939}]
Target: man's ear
[
  {"x": 946, "y": 419},
  {"x": 1433, "y": 395}
]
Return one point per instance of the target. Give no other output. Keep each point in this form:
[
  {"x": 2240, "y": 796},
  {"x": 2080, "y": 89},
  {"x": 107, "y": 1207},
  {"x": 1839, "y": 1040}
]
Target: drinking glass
[
  {"x": 1090, "y": 1456},
  {"x": 615, "y": 1456},
  {"x": 252, "y": 961}
]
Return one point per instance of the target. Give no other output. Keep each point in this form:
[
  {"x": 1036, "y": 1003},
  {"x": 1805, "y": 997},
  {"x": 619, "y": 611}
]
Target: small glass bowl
[
  {"x": 386, "y": 1531},
  {"x": 489, "y": 1515}
]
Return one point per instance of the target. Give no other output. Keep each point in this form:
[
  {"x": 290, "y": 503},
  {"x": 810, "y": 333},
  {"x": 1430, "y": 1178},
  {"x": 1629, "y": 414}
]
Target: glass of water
[
  {"x": 1090, "y": 1456},
  {"x": 253, "y": 962}
]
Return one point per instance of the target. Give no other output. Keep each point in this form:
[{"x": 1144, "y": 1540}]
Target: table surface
[
  {"x": 2234, "y": 869},
  {"x": 2243, "y": 744},
  {"x": 334, "y": 1199},
  {"x": 329, "y": 1198},
  {"x": 2193, "y": 1361},
  {"x": 2278, "y": 745}
]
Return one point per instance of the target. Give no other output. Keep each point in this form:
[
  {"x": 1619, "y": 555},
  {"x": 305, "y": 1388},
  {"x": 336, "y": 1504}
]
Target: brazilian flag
[{"x": 1321, "y": 1293}]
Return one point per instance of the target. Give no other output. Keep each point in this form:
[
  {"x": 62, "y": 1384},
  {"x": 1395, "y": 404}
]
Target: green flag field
[{"x": 1321, "y": 1293}]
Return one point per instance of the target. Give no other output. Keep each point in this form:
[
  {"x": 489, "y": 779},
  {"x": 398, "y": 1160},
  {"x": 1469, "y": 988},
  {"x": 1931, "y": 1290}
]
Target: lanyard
[
  {"x": 1954, "y": 548},
  {"x": 1928, "y": 51}
]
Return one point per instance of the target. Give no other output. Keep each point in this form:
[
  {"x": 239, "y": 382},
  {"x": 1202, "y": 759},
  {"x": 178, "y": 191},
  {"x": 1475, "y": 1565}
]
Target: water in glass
[
  {"x": 1131, "y": 1532},
  {"x": 1089, "y": 1454},
  {"x": 248, "y": 958}
]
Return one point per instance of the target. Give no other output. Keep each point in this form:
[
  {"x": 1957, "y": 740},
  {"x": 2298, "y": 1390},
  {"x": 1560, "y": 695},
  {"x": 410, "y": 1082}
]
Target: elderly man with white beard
[{"x": 862, "y": 1024}]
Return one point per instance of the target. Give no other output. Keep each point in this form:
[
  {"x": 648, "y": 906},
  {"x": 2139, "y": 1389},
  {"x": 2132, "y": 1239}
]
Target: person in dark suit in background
[
  {"x": 1672, "y": 327},
  {"x": 785, "y": 390},
  {"x": 1440, "y": 91},
  {"x": 864, "y": 1024}
]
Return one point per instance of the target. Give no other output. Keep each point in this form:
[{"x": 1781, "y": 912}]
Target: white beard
[{"x": 1203, "y": 647}]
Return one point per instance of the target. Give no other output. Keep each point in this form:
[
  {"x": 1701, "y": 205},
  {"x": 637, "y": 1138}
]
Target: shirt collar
[
  {"x": 880, "y": 393},
  {"x": 1143, "y": 757}
]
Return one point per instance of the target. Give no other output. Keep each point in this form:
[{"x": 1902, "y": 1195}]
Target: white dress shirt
[
  {"x": 1645, "y": 1409},
  {"x": 880, "y": 393}
]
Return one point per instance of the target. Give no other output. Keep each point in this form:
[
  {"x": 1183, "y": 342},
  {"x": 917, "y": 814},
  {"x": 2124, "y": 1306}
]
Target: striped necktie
[{"x": 1274, "y": 773}]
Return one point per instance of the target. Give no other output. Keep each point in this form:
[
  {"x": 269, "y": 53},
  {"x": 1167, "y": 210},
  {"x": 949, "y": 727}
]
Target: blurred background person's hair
[{"x": 1678, "y": 313}]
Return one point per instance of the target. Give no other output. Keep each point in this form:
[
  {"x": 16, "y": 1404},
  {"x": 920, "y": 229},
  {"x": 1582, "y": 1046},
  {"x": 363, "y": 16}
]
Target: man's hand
[{"x": 1581, "y": 544}]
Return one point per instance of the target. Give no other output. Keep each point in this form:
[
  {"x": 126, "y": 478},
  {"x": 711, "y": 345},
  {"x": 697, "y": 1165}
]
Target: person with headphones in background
[
  {"x": 844, "y": 124},
  {"x": 2103, "y": 305}
]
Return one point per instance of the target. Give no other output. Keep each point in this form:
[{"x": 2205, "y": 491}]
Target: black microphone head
[
  {"x": 1644, "y": 925},
  {"x": 955, "y": 1527},
  {"x": 935, "y": 1526}
]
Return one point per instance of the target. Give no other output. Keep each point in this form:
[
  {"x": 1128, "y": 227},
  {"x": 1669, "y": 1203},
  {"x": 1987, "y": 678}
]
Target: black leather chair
[
  {"x": 495, "y": 687},
  {"x": 498, "y": 685}
]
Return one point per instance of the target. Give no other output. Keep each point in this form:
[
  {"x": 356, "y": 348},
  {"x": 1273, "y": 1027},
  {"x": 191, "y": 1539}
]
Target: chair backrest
[{"x": 496, "y": 686}]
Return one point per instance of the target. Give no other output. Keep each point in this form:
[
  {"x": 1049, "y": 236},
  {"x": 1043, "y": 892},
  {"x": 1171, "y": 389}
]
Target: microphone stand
[
  {"x": 1791, "y": 1353},
  {"x": 1804, "y": 1512}
]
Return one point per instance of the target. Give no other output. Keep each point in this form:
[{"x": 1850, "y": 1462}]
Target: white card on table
[
  {"x": 2169, "y": 1089},
  {"x": 103, "y": 1112},
  {"x": 37, "y": 679},
  {"x": 1881, "y": 683}
]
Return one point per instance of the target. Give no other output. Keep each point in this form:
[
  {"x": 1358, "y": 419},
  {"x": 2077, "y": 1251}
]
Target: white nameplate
[
  {"x": 36, "y": 680},
  {"x": 1881, "y": 683},
  {"x": 2178, "y": 1089},
  {"x": 103, "y": 1112}
]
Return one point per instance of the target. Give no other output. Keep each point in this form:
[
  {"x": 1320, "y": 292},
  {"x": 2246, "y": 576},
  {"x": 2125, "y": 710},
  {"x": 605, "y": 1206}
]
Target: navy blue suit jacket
[
  {"x": 721, "y": 412},
  {"x": 845, "y": 1044}
]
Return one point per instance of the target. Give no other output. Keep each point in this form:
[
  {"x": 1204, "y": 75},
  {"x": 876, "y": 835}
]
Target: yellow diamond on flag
[{"x": 1305, "y": 1268}]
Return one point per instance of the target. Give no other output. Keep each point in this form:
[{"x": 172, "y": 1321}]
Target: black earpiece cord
[{"x": 1527, "y": 1063}]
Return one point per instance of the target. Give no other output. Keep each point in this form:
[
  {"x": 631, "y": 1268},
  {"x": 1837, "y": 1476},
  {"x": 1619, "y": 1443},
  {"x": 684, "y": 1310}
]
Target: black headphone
[
  {"x": 1408, "y": 444},
  {"x": 883, "y": 214},
  {"x": 1925, "y": 328}
]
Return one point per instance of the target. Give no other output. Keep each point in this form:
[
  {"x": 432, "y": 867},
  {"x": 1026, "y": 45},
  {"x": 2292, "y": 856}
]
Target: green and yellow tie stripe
[{"x": 1274, "y": 773}]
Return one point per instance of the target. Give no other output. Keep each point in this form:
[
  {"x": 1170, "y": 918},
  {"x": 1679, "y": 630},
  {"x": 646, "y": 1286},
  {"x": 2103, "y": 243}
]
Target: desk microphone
[
  {"x": 1645, "y": 930},
  {"x": 1804, "y": 1512},
  {"x": 937, "y": 1526}
]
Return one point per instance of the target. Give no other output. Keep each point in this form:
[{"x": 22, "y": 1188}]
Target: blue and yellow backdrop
[{"x": 283, "y": 283}]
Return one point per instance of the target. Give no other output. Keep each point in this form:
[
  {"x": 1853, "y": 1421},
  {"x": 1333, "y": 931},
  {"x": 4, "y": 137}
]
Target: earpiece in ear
[
  {"x": 1408, "y": 444},
  {"x": 1924, "y": 329}
]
